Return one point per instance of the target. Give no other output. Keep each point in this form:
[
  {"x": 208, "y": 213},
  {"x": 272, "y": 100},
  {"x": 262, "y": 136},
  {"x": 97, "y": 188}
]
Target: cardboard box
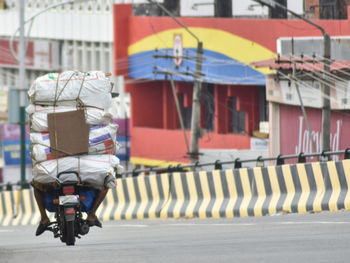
[{"x": 69, "y": 133}]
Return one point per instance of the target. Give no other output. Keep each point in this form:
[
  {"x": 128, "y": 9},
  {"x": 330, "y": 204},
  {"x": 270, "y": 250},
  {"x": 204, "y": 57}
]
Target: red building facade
[{"x": 234, "y": 100}]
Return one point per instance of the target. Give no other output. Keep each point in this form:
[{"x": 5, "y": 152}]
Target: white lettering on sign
[
  {"x": 15, "y": 155},
  {"x": 12, "y": 147},
  {"x": 305, "y": 142}
]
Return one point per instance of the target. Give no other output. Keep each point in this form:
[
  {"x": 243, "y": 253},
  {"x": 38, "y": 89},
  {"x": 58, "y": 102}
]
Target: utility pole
[
  {"x": 195, "y": 128},
  {"x": 303, "y": 108},
  {"x": 326, "y": 109},
  {"x": 22, "y": 96},
  {"x": 196, "y": 106}
]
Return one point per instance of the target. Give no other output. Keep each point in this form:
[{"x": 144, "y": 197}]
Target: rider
[{"x": 45, "y": 221}]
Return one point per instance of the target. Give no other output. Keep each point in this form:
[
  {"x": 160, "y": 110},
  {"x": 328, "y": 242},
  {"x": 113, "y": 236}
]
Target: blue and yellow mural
[{"x": 227, "y": 57}]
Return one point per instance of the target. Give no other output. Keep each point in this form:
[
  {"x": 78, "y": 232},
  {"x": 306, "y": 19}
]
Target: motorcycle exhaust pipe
[{"x": 84, "y": 229}]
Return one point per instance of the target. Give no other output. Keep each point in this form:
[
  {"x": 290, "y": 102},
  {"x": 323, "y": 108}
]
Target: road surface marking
[
  {"x": 312, "y": 222},
  {"x": 208, "y": 224},
  {"x": 127, "y": 225}
]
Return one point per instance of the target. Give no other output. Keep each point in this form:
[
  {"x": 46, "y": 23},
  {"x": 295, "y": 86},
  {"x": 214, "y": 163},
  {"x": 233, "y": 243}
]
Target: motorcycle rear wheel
[
  {"x": 62, "y": 225},
  {"x": 70, "y": 236}
]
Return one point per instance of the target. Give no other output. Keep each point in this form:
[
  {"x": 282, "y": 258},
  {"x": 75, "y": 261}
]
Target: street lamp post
[
  {"x": 22, "y": 98},
  {"x": 22, "y": 75},
  {"x": 326, "y": 109}
]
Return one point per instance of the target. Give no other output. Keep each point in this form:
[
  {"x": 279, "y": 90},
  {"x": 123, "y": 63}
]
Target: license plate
[{"x": 68, "y": 199}]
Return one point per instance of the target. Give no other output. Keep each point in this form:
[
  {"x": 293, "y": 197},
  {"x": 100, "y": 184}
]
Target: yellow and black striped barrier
[{"x": 295, "y": 188}]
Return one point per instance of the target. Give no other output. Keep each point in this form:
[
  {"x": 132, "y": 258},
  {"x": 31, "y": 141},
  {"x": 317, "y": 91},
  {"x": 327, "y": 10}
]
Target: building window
[
  {"x": 79, "y": 62},
  {"x": 106, "y": 61},
  {"x": 238, "y": 117},
  {"x": 208, "y": 106},
  {"x": 3, "y": 79},
  {"x": 185, "y": 111},
  {"x": 97, "y": 59},
  {"x": 263, "y": 105}
]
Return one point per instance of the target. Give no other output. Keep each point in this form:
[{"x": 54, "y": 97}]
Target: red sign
[{"x": 295, "y": 138}]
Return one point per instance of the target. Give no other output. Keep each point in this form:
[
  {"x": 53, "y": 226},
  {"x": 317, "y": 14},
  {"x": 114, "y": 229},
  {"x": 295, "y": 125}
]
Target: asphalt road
[{"x": 323, "y": 237}]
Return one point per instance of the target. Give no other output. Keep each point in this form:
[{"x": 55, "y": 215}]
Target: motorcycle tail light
[
  {"x": 55, "y": 201},
  {"x": 82, "y": 198},
  {"x": 70, "y": 211},
  {"x": 68, "y": 189}
]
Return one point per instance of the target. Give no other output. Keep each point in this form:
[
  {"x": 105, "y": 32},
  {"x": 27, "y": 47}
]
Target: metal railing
[
  {"x": 237, "y": 163},
  {"x": 217, "y": 165},
  {"x": 11, "y": 186}
]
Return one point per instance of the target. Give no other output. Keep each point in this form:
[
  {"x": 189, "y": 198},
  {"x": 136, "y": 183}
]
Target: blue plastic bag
[
  {"x": 89, "y": 199},
  {"x": 86, "y": 205}
]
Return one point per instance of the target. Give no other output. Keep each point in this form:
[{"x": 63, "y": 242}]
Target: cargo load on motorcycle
[
  {"x": 73, "y": 149},
  {"x": 71, "y": 130}
]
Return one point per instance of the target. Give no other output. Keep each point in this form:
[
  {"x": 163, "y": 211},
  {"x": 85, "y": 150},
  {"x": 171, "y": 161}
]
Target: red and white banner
[{"x": 294, "y": 136}]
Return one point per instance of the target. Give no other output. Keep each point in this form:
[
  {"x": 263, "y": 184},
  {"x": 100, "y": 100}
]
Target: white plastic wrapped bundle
[
  {"x": 38, "y": 116},
  {"x": 72, "y": 88},
  {"x": 63, "y": 92},
  {"x": 102, "y": 140},
  {"x": 97, "y": 171}
]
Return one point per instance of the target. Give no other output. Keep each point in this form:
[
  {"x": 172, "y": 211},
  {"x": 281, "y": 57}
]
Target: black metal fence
[
  {"x": 238, "y": 163},
  {"x": 218, "y": 165}
]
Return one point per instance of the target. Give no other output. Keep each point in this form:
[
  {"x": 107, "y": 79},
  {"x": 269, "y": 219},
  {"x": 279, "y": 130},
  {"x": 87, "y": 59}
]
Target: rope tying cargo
[{"x": 73, "y": 91}]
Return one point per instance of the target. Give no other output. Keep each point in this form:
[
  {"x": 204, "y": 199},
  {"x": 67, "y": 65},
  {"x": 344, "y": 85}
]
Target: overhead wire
[
  {"x": 337, "y": 83},
  {"x": 336, "y": 63},
  {"x": 217, "y": 78},
  {"x": 304, "y": 84},
  {"x": 328, "y": 82},
  {"x": 327, "y": 78},
  {"x": 123, "y": 63},
  {"x": 143, "y": 60},
  {"x": 332, "y": 62}
]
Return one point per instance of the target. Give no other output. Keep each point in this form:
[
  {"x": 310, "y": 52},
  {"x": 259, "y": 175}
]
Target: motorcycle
[{"x": 69, "y": 202}]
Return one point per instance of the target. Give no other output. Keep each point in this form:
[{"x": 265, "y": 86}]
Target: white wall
[
  {"x": 91, "y": 21},
  {"x": 239, "y": 7}
]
